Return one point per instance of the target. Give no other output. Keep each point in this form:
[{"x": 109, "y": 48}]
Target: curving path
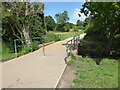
[{"x": 34, "y": 70}]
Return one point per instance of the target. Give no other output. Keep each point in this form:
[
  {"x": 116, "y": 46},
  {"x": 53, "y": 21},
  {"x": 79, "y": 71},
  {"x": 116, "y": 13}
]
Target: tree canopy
[
  {"x": 62, "y": 18},
  {"x": 50, "y": 23},
  {"x": 103, "y": 22},
  {"x": 22, "y": 20}
]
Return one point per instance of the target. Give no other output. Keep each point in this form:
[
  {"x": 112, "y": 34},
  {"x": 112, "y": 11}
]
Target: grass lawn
[
  {"x": 90, "y": 75},
  {"x": 65, "y": 35}
]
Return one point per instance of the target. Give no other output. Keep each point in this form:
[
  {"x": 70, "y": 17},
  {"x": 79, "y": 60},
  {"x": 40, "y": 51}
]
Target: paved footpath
[{"x": 35, "y": 71}]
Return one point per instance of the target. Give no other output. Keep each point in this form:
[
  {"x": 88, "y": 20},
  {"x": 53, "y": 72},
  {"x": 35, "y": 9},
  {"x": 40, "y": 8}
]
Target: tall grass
[{"x": 8, "y": 53}]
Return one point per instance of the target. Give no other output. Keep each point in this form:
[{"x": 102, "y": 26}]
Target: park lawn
[
  {"x": 90, "y": 75},
  {"x": 65, "y": 35}
]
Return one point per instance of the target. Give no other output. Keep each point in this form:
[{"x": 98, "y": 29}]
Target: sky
[{"x": 73, "y": 8}]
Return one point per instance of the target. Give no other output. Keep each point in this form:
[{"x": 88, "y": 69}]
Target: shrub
[
  {"x": 51, "y": 37},
  {"x": 75, "y": 28}
]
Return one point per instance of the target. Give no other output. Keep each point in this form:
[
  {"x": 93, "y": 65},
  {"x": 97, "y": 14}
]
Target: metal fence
[
  {"x": 71, "y": 45},
  {"x": 31, "y": 40}
]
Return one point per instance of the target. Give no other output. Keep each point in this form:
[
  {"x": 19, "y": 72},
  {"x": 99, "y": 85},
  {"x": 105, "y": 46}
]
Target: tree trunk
[{"x": 26, "y": 31}]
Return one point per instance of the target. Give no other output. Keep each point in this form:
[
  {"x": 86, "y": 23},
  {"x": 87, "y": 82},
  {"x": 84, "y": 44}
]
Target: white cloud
[{"x": 76, "y": 16}]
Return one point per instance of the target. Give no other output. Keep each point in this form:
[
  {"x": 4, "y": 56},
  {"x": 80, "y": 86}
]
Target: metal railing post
[
  {"x": 15, "y": 46},
  {"x": 66, "y": 50},
  {"x": 78, "y": 37},
  {"x": 43, "y": 46},
  {"x": 43, "y": 49},
  {"x": 74, "y": 42},
  {"x": 31, "y": 47},
  {"x": 71, "y": 46}
]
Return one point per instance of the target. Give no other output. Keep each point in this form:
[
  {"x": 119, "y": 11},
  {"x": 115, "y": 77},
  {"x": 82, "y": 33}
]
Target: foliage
[
  {"x": 36, "y": 26},
  {"x": 21, "y": 20},
  {"x": 91, "y": 75},
  {"x": 103, "y": 22},
  {"x": 50, "y": 36},
  {"x": 8, "y": 54},
  {"x": 50, "y": 23},
  {"x": 59, "y": 27},
  {"x": 67, "y": 27},
  {"x": 95, "y": 47},
  {"x": 75, "y": 29},
  {"x": 61, "y": 19},
  {"x": 80, "y": 24}
]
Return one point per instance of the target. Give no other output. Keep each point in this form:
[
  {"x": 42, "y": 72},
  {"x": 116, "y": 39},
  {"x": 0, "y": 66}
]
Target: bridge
[{"x": 34, "y": 70}]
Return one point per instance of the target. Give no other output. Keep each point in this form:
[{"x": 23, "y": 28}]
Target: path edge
[{"x": 60, "y": 76}]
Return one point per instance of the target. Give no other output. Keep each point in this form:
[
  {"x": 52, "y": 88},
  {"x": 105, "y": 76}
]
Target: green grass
[
  {"x": 91, "y": 75},
  {"x": 57, "y": 36},
  {"x": 50, "y": 36},
  {"x": 7, "y": 54},
  {"x": 73, "y": 58},
  {"x": 66, "y": 35},
  {"x": 70, "y": 62}
]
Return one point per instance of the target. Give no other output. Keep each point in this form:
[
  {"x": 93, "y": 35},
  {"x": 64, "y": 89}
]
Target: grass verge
[
  {"x": 65, "y": 35},
  {"x": 91, "y": 75},
  {"x": 73, "y": 58},
  {"x": 7, "y": 55}
]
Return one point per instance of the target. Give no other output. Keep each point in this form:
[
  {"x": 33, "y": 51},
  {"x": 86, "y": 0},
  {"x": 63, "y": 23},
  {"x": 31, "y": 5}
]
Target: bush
[
  {"x": 5, "y": 48},
  {"x": 75, "y": 28},
  {"x": 51, "y": 37}
]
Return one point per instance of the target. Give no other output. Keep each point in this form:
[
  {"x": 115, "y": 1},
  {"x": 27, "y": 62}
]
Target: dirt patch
[{"x": 69, "y": 74}]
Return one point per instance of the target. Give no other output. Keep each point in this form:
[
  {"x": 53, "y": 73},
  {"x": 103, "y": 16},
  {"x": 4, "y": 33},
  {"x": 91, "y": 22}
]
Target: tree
[
  {"x": 75, "y": 28},
  {"x": 36, "y": 27},
  {"x": 50, "y": 23},
  {"x": 104, "y": 21},
  {"x": 17, "y": 20},
  {"x": 67, "y": 27},
  {"x": 79, "y": 23},
  {"x": 61, "y": 19}
]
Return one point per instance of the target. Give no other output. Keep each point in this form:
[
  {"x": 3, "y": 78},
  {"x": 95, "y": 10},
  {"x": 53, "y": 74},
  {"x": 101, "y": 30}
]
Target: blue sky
[{"x": 73, "y": 8}]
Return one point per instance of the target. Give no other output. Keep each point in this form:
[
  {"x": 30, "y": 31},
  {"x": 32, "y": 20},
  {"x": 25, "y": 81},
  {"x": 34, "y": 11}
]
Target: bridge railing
[
  {"x": 71, "y": 45},
  {"x": 31, "y": 40}
]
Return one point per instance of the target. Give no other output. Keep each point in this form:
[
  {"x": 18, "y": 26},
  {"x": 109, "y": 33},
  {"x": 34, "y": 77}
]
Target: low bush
[{"x": 50, "y": 36}]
